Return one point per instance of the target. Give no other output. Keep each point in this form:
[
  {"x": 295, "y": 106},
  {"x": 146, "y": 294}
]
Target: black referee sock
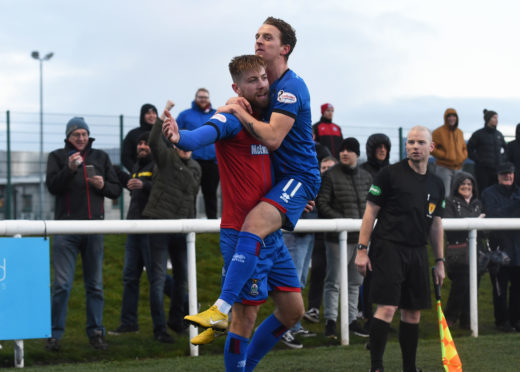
[
  {"x": 408, "y": 339},
  {"x": 378, "y": 336}
]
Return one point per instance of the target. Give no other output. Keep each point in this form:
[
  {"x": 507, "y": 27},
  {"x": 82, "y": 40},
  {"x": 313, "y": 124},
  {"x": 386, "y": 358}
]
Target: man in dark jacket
[
  {"x": 378, "y": 153},
  {"x": 326, "y": 132},
  {"x": 80, "y": 178},
  {"x": 175, "y": 184},
  {"x": 147, "y": 118},
  {"x": 486, "y": 148},
  {"x": 191, "y": 119},
  {"x": 503, "y": 200},
  {"x": 343, "y": 195},
  {"x": 137, "y": 248},
  {"x": 513, "y": 152}
]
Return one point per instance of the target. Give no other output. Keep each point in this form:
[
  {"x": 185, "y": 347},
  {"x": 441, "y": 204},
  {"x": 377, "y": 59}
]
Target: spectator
[
  {"x": 463, "y": 202},
  {"x": 191, "y": 119},
  {"x": 343, "y": 195},
  {"x": 175, "y": 184},
  {"x": 137, "y": 247},
  {"x": 146, "y": 120},
  {"x": 80, "y": 178},
  {"x": 450, "y": 149},
  {"x": 513, "y": 152},
  {"x": 378, "y": 153},
  {"x": 486, "y": 147},
  {"x": 319, "y": 261},
  {"x": 326, "y": 132},
  {"x": 503, "y": 200}
]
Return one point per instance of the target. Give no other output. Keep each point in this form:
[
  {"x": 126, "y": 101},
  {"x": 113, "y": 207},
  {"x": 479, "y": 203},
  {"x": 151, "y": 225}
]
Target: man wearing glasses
[{"x": 191, "y": 119}]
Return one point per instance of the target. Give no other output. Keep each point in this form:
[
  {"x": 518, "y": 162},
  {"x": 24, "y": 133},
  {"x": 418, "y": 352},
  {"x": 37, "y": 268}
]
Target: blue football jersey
[{"x": 296, "y": 156}]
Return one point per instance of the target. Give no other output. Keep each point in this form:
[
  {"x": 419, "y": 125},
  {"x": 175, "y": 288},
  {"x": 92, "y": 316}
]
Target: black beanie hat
[
  {"x": 488, "y": 114},
  {"x": 351, "y": 144},
  {"x": 143, "y": 137}
]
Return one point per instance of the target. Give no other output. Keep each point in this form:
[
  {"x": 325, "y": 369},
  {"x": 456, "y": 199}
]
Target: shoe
[
  {"x": 52, "y": 344},
  {"x": 355, "y": 328},
  {"x": 164, "y": 337},
  {"x": 204, "y": 338},
  {"x": 97, "y": 341},
  {"x": 124, "y": 328},
  {"x": 178, "y": 326},
  {"x": 289, "y": 340},
  {"x": 312, "y": 315},
  {"x": 211, "y": 318},
  {"x": 330, "y": 329},
  {"x": 302, "y": 332}
]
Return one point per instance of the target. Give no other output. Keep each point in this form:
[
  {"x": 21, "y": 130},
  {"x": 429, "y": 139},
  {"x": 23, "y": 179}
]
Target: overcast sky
[{"x": 380, "y": 63}]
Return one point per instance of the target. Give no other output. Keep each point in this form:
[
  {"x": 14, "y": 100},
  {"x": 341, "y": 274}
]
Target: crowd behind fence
[{"x": 20, "y": 156}]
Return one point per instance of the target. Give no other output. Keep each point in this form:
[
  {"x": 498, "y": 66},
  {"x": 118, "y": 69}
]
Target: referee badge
[
  {"x": 375, "y": 190},
  {"x": 254, "y": 288}
]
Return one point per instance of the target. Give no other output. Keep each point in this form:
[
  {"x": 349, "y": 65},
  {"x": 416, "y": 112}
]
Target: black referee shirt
[{"x": 408, "y": 202}]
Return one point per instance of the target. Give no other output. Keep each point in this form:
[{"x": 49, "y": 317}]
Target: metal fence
[{"x": 20, "y": 158}]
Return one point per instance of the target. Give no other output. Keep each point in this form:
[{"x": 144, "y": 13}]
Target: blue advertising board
[{"x": 25, "y": 305}]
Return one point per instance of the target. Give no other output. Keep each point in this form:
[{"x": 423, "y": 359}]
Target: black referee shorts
[{"x": 401, "y": 276}]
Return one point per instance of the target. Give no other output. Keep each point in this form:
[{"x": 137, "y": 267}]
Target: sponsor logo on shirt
[
  {"x": 219, "y": 117},
  {"x": 431, "y": 208},
  {"x": 375, "y": 190},
  {"x": 286, "y": 97},
  {"x": 259, "y": 150},
  {"x": 237, "y": 257}
]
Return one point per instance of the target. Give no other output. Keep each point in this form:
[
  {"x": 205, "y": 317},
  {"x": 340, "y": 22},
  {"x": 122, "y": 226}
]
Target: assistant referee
[{"x": 408, "y": 202}]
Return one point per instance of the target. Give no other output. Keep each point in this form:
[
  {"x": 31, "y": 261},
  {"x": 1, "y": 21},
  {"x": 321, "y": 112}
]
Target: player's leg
[{"x": 242, "y": 324}]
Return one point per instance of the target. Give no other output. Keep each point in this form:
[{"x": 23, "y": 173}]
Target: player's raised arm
[{"x": 269, "y": 134}]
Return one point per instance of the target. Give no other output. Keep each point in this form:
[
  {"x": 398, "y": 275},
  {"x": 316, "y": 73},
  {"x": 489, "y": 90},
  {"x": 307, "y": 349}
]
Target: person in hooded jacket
[
  {"x": 147, "y": 118},
  {"x": 462, "y": 202},
  {"x": 193, "y": 118},
  {"x": 80, "y": 178},
  {"x": 450, "y": 149},
  {"x": 486, "y": 148},
  {"x": 378, "y": 148},
  {"x": 513, "y": 152}
]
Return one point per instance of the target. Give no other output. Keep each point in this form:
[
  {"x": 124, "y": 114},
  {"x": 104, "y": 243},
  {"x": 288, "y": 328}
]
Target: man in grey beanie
[{"x": 80, "y": 178}]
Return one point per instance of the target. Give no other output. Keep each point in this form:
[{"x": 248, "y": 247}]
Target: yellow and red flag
[{"x": 450, "y": 358}]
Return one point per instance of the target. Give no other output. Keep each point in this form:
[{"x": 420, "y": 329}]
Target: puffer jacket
[
  {"x": 193, "y": 118},
  {"x": 372, "y": 165},
  {"x": 343, "y": 194},
  {"x": 175, "y": 181},
  {"x": 450, "y": 149},
  {"x": 501, "y": 201},
  {"x": 457, "y": 207},
  {"x": 76, "y": 199},
  {"x": 513, "y": 153},
  {"x": 486, "y": 147}
]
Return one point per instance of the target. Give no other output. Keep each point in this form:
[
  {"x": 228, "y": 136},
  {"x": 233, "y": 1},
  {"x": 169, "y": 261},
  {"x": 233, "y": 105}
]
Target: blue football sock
[
  {"x": 242, "y": 266},
  {"x": 265, "y": 337},
  {"x": 235, "y": 352}
]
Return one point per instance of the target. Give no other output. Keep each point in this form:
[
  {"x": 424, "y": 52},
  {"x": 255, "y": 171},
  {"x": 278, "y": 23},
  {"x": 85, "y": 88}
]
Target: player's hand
[
  {"x": 310, "y": 206},
  {"x": 169, "y": 105},
  {"x": 363, "y": 262},
  {"x": 97, "y": 182},
  {"x": 134, "y": 184},
  {"x": 230, "y": 108},
  {"x": 241, "y": 101},
  {"x": 439, "y": 273},
  {"x": 170, "y": 129}
]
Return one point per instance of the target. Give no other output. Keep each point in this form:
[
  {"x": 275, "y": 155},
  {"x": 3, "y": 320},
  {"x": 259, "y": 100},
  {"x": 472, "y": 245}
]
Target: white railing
[{"x": 191, "y": 227}]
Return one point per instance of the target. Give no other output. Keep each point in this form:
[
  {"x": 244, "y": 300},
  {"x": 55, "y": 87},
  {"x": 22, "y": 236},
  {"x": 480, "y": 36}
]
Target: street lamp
[{"x": 36, "y": 55}]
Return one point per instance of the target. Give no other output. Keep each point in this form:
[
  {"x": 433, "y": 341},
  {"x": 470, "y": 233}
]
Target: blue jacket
[{"x": 194, "y": 118}]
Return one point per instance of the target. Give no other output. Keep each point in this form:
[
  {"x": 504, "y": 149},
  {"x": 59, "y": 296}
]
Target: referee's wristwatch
[{"x": 361, "y": 247}]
